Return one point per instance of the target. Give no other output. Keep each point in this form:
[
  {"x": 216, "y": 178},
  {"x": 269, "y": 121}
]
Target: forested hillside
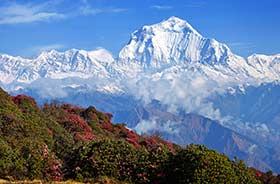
[{"x": 59, "y": 142}]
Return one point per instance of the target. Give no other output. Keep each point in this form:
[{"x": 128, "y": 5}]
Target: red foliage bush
[
  {"x": 45, "y": 151},
  {"x": 53, "y": 172},
  {"x": 133, "y": 142},
  {"x": 109, "y": 116},
  {"x": 78, "y": 127},
  {"x": 258, "y": 173},
  {"x": 170, "y": 146},
  {"x": 107, "y": 126},
  {"x": 149, "y": 142},
  {"x": 267, "y": 177},
  {"x": 131, "y": 134},
  {"x": 18, "y": 98},
  {"x": 71, "y": 108}
]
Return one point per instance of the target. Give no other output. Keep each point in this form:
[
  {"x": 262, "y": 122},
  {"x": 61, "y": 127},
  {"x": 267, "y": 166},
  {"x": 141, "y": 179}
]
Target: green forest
[{"x": 62, "y": 142}]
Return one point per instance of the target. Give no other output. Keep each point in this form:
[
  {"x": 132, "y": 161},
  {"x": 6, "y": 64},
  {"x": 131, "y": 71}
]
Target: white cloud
[
  {"x": 161, "y": 7},
  {"x": 35, "y": 50},
  {"x": 15, "y": 13},
  {"x": 18, "y": 13},
  {"x": 87, "y": 9},
  {"x": 186, "y": 90},
  {"x": 154, "y": 124},
  {"x": 48, "y": 47},
  {"x": 145, "y": 126},
  {"x": 94, "y": 11}
]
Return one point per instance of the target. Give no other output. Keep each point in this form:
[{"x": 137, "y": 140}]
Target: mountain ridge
[{"x": 172, "y": 42}]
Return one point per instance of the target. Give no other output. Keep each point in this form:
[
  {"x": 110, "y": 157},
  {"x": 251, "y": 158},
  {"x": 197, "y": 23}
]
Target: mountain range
[{"x": 171, "y": 79}]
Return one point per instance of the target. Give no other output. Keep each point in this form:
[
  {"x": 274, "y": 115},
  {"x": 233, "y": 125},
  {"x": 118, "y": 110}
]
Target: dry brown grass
[
  {"x": 37, "y": 182},
  {"x": 21, "y": 182},
  {"x": 102, "y": 180}
]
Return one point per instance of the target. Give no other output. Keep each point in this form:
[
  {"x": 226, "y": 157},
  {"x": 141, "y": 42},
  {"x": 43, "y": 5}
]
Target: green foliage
[
  {"x": 7, "y": 158},
  {"x": 115, "y": 159},
  {"x": 61, "y": 141},
  {"x": 197, "y": 164},
  {"x": 244, "y": 174}
]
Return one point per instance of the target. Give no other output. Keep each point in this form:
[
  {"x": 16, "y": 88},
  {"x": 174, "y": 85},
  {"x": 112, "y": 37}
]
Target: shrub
[{"x": 197, "y": 164}]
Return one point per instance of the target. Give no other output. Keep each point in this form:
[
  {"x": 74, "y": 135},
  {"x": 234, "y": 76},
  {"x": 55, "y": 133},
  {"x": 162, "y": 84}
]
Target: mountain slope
[
  {"x": 182, "y": 128},
  {"x": 43, "y": 143},
  {"x": 256, "y": 104},
  {"x": 61, "y": 141}
]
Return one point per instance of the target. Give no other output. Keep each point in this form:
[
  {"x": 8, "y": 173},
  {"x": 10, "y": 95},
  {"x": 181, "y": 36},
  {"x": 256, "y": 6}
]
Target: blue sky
[{"x": 29, "y": 27}]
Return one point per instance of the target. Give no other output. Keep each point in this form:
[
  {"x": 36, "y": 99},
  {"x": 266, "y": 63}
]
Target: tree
[{"x": 197, "y": 164}]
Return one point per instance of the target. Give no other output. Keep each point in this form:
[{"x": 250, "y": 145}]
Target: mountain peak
[
  {"x": 177, "y": 24},
  {"x": 174, "y": 18},
  {"x": 171, "y": 42},
  {"x": 47, "y": 53}
]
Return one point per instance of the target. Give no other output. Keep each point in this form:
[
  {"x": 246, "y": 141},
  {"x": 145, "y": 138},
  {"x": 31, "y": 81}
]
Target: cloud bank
[
  {"x": 187, "y": 91},
  {"x": 14, "y": 13},
  {"x": 20, "y": 13},
  {"x": 161, "y": 7},
  {"x": 87, "y": 9}
]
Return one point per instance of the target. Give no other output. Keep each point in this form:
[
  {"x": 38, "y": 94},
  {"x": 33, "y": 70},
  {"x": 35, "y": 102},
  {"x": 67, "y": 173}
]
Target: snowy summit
[{"x": 170, "y": 43}]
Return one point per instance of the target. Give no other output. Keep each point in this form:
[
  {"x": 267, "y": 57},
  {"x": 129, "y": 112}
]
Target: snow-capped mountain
[
  {"x": 169, "y": 57},
  {"x": 73, "y": 63},
  {"x": 174, "y": 42},
  {"x": 169, "y": 61},
  {"x": 268, "y": 66},
  {"x": 14, "y": 68},
  {"x": 54, "y": 64},
  {"x": 154, "y": 48}
]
